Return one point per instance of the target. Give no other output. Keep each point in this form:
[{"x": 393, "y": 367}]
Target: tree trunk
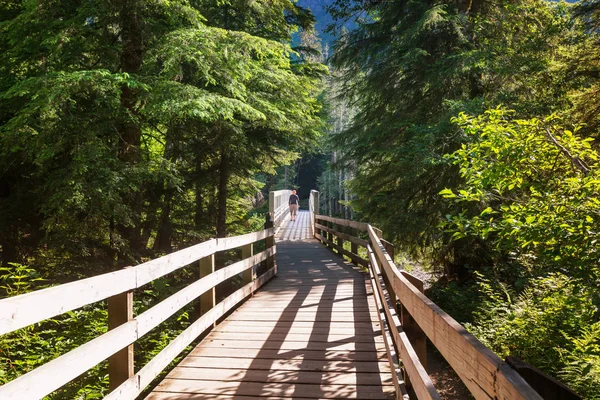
[
  {"x": 129, "y": 130},
  {"x": 199, "y": 206},
  {"x": 9, "y": 247},
  {"x": 222, "y": 196},
  {"x": 165, "y": 228}
]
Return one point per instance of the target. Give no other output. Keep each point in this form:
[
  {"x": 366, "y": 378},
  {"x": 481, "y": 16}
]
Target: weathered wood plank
[
  {"x": 343, "y": 222},
  {"x": 120, "y": 364},
  {"x": 274, "y": 354},
  {"x": 283, "y": 390},
  {"x": 304, "y": 376},
  {"x": 304, "y": 327},
  {"x": 20, "y": 311},
  {"x": 234, "y": 242},
  {"x": 240, "y": 335},
  {"x": 287, "y": 365},
  {"x": 271, "y": 344}
]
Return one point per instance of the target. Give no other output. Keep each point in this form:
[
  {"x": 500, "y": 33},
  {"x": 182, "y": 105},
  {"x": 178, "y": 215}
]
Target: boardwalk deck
[
  {"x": 295, "y": 230},
  {"x": 310, "y": 333}
]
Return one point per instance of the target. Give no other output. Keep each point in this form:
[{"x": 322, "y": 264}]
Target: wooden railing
[
  {"x": 279, "y": 207},
  {"x": 117, "y": 344},
  {"x": 403, "y": 308},
  {"x": 313, "y": 209}
]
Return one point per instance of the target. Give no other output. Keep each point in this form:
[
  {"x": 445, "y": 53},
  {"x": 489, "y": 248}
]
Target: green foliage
[
  {"x": 582, "y": 362},
  {"x": 530, "y": 190},
  {"x": 30, "y": 347},
  {"x": 408, "y": 69},
  {"x": 550, "y": 325},
  {"x": 534, "y": 185}
]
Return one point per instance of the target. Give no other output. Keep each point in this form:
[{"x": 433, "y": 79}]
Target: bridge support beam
[{"x": 120, "y": 364}]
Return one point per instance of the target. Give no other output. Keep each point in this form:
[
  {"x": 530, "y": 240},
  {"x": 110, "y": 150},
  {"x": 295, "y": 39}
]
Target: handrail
[
  {"x": 279, "y": 207},
  {"x": 19, "y": 311},
  {"x": 483, "y": 372}
]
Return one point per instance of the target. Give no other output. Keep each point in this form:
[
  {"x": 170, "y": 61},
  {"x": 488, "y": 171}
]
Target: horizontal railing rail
[
  {"x": 405, "y": 309},
  {"x": 116, "y": 287}
]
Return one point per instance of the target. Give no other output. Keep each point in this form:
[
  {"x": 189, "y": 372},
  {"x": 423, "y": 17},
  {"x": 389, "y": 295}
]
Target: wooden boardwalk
[
  {"x": 296, "y": 230},
  {"x": 310, "y": 333}
]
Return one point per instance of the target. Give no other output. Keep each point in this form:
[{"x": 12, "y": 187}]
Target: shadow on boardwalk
[{"x": 309, "y": 333}]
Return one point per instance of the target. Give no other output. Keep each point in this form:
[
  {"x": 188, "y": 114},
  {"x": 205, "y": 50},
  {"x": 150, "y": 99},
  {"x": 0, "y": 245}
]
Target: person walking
[{"x": 294, "y": 205}]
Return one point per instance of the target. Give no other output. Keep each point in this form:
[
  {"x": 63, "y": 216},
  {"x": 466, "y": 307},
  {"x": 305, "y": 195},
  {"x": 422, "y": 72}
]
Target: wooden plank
[
  {"x": 305, "y": 327},
  {"x": 120, "y": 364},
  {"x": 413, "y": 330},
  {"x": 155, "y": 269},
  {"x": 341, "y": 306},
  {"x": 484, "y": 373},
  {"x": 287, "y": 365},
  {"x": 137, "y": 383},
  {"x": 292, "y": 345},
  {"x": 420, "y": 380},
  {"x": 252, "y": 375},
  {"x": 344, "y": 222},
  {"x": 234, "y": 242},
  {"x": 209, "y": 298},
  {"x": 250, "y": 274},
  {"x": 282, "y": 390},
  {"x": 291, "y": 348},
  {"x": 192, "y": 396},
  {"x": 20, "y": 311},
  {"x": 341, "y": 355},
  {"x": 243, "y": 336},
  {"x": 299, "y": 317}
]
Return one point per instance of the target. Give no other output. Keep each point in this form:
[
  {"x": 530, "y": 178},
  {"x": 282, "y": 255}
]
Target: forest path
[{"x": 311, "y": 332}]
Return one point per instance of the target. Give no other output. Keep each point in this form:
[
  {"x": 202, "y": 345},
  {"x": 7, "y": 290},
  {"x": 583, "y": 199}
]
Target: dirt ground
[{"x": 445, "y": 380}]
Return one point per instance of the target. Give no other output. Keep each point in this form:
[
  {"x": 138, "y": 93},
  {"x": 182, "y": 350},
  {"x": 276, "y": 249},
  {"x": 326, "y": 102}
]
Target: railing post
[
  {"x": 314, "y": 196},
  {"x": 209, "y": 298},
  {"x": 389, "y": 248},
  {"x": 354, "y": 246},
  {"x": 120, "y": 364},
  {"x": 270, "y": 242},
  {"x": 415, "y": 334},
  {"x": 340, "y": 241},
  {"x": 272, "y": 206},
  {"x": 248, "y": 275}
]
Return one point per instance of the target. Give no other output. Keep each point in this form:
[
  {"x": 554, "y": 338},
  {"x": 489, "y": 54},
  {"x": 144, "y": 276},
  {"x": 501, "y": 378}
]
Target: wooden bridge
[{"x": 306, "y": 324}]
